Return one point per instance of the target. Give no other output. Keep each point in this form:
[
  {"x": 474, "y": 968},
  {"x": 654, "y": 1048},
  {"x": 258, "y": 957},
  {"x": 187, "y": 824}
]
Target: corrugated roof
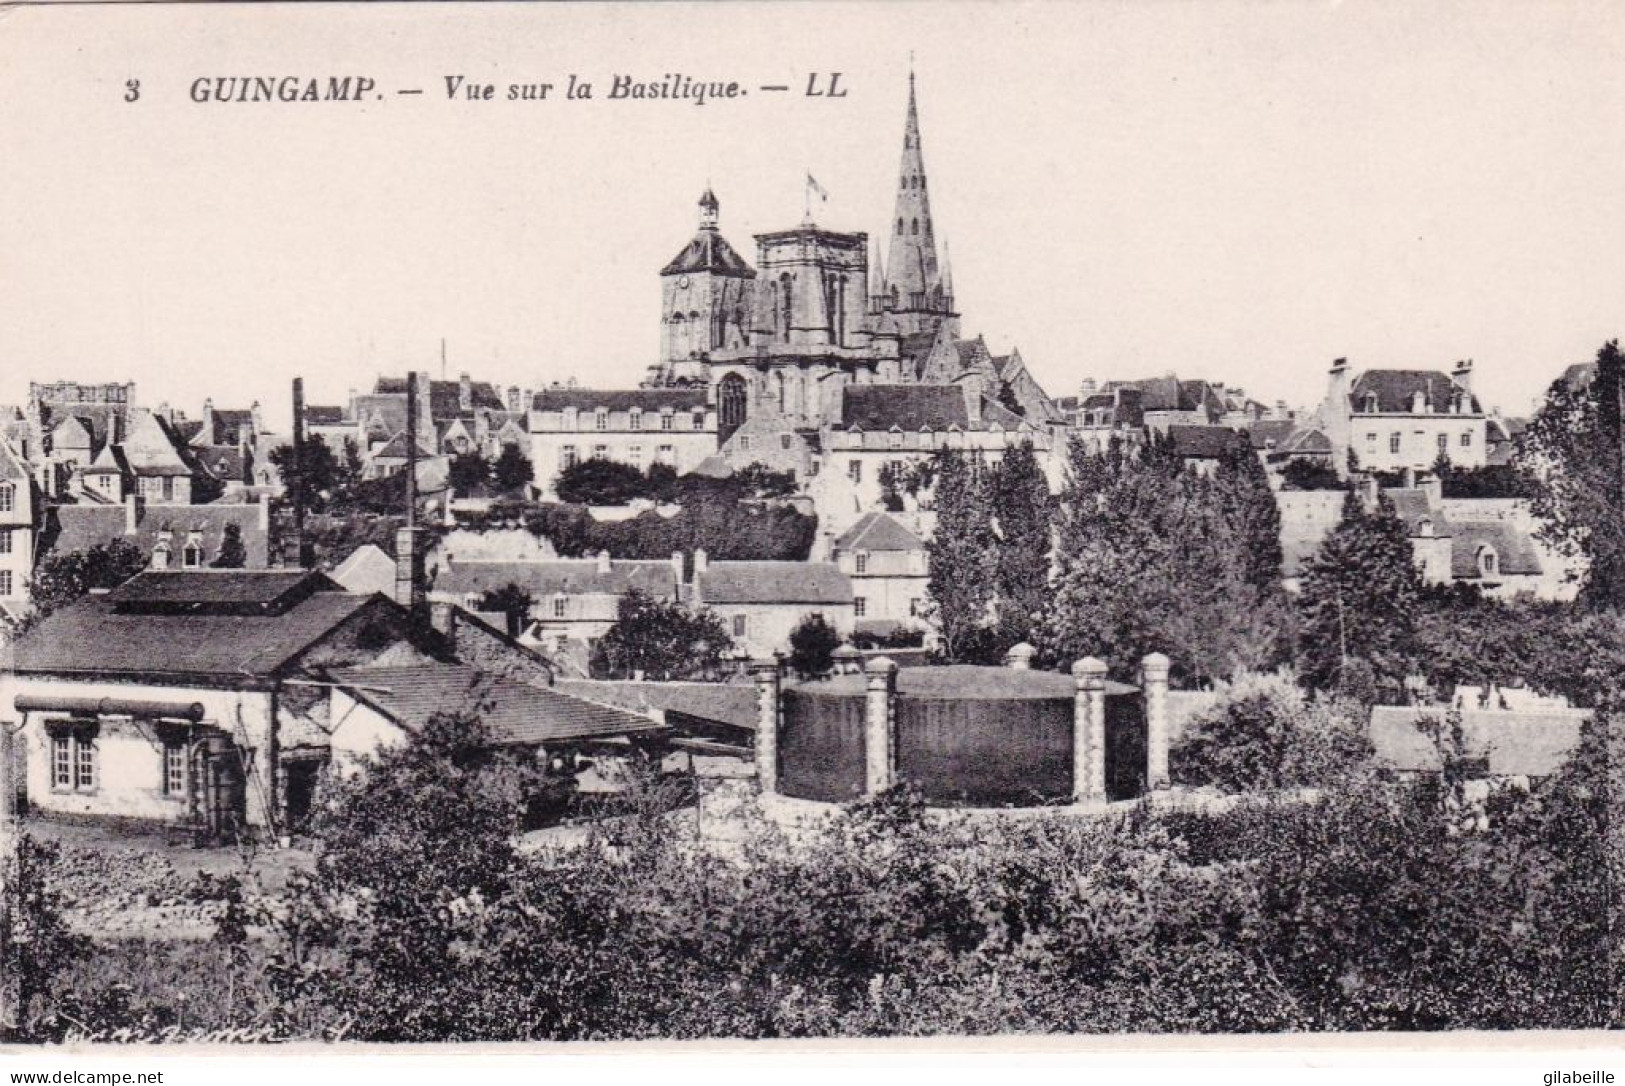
[
  {"x": 1516, "y": 742},
  {"x": 1395, "y": 391},
  {"x": 560, "y": 577},
  {"x": 773, "y": 582},
  {"x": 91, "y": 638},
  {"x": 512, "y": 712},
  {"x": 723, "y": 703},
  {"x": 621, "y": 399},
  {"x": 908, "y": 407},
  {"x": 879, "y": 531}
]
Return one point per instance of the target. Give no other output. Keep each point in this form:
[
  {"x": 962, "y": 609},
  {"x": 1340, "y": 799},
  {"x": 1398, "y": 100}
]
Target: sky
[{"x": 1240, "y": 192}]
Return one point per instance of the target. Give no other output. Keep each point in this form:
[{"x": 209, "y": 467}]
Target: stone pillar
[
  {"x": 1154, "y": 681},
  {"x": 1020, "y": 657},
  {"x": 879, "y": 728},
  {"x": 1089, "y": 731},
  {"x": 766, "y": 674}
]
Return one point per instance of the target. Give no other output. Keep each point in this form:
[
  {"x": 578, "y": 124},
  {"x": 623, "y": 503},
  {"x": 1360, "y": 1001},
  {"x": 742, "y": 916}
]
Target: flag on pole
[{"x": 814, "y": 186}]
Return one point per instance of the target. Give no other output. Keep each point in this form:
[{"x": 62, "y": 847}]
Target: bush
[
  {"x": 601, "y": 482},
  {"x": 1310, "y": 475},
  {"x": 812, "y": 646},
  {"x": 1266, "y": 734}
]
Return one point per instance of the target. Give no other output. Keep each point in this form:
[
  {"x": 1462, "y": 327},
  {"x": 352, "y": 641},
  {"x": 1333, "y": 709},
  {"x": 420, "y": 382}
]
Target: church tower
[
  {"x": 705, "y": 300},
  {"x": 915, "y": 292}
]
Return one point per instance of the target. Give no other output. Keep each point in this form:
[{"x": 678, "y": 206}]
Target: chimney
[
  {"x": 410, "y": 590},
  {"x": 208, "y": 421},
  {"x": 700, "y": 561},
  {"x": 465, "y": 393},
  {"x": 1334, "y": 414},
  {"x": 1463, "y": 375},
  {"x": 603, "y": 562},
  {"x": 296, "y": 552},
  {"x": 1086, "y": 387},
  {"x": 973, "y": 399}
]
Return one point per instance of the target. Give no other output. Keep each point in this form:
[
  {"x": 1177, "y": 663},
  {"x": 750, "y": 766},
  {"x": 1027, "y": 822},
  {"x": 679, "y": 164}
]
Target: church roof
[
  {"x": 709, "y": 251},
  {"x": 908, "y": 407}
]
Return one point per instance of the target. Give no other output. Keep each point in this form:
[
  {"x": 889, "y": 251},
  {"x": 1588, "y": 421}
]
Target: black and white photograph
[{"x": 926, "y": 524}]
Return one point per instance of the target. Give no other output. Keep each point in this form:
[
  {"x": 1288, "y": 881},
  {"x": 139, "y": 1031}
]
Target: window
[
  {"x": 744, "y": 442},
  {"x": 860, "y": 606},
  {"x": 8, "y": 497},
  {"x": 191, "y": 556},
  {"x": 1371, "y": 440},
  {"x": 665, "y": 420},
  {"x": 666, "y": 455},
  {"x": 175, "y": 769},
  {"x": 73, "y": 762},
  {"x": 1489, "y": 563},
  {"x": 1467, "y": 440},
  {"x": 559, "y": 606},
  {"x": 784, "y": 442},
  {"x": 863, "y": 562},
  {"x": 567, "y": 456},
  {"x": 1444, "y": 443},
  {"x": 169, "y": 488},
  {"x": 739, "y": 625},
  {"x": 699, "y": 420},
  {"x": 637, "y": 419},
  {"x": 600, "y": 452},
  {"x": 6, "y": 587},
  {"x": 914, "y": 607},
  {"x": 854, "y": 470},
  {"x": 635, "y": 455},
  {"x": 1393, "y": 443},
  {"x": 894, "y": 440},
  {"x": 600, "y": 420}
]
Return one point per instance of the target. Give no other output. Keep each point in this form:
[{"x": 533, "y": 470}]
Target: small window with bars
[{"x": 175, "y": 769}]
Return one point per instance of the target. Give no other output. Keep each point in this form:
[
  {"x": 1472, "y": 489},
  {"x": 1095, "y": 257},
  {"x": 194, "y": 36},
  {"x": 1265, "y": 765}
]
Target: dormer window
[
  {"x": 1424, "y": 528},
  {"x": 600, "y": 419},
  {"x": 636, "y": 419},
  {"x": 665, "y": 419},
  {"x": 1489, "y": 563},
  {"x": 160, "y": 556},
  {"x": 699, "y": 420},
  {"x": 894, "y": 440},
  {"x": 1371, "y": 403},
  {"x": 192, "y": 555}
]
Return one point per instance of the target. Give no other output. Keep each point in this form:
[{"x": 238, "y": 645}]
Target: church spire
[{"x": 913, "y": 257}]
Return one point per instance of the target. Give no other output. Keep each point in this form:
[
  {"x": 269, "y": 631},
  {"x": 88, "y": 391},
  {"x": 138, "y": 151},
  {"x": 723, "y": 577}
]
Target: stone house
[
  {"x": 1403, "y": 419},
  {"x": 886, "y": 564},
  {"x": 760, "y": 603},
  {"x": 640, "y": 427}
]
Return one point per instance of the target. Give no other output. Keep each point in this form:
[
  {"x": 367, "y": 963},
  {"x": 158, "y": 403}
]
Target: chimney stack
[
  {"x": 410, "y": 591},
  {"x": 1463, "y": 375},
  {"x": 297, "y": 552},
  {"x": 465, "y": 393}
]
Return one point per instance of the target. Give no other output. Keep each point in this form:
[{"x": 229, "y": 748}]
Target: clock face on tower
[{"x": 682, "y": 281}]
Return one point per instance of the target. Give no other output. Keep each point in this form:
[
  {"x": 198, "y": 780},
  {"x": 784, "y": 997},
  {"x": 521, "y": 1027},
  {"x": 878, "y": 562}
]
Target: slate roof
[
  {"x": 232, "y": 426},
  {"x": 1516, "y": 743},
  {"x": 1202, "y": 442},
  {"x": 1414, "y": 505},
  {"x": 395, "y": 448},
  {"x": 1270, "y": 433},
  {"x": 709, "y": 251},
  {"x": 879, "y": 531},
  {"x": 224, "y": 463},
  {"x": 445, "y": 398},
  {"x": 1396, "y": 389},
  {"x": 908, "y": 407},
  {"x": 649, "y": 399},
  {"x": 93, "y": 638},
  {"x": 1309, "y": 441},
  {"x": 731, "y": 704},
  {"x": 80, "y": 527},
  {"x": 512, "y": 712},
  {"x": 773, "y": 582},
  {"x": 11, "y": 465},
  {"x": 263, "y": 589},
  {"x": 560, "y": 577},
  {"x": 1515, "y": 552}
]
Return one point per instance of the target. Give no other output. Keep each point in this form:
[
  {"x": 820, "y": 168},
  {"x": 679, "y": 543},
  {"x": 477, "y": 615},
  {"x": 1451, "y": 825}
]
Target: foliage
[
  {"x": 1153, "y": 557},
  {"x": 468, "y": 473},
  {"x": 512, "y": 602},
  {"x": 661, "y": 640},
  {"x": 962, "y": 554},
  {"x": 37, "y": 946},
  {"x": 316, "y": 479},
  {"x": 1022, "y": 509},
  {"x": 1358, "y": 606},
  {"x": 1266, "y": 734},
  {"x": 812, "y": 646},
  {"x": 233, "y": 555},
  {"x": 1489, "y": 481},
  {"x": 60, "y": 579},
  {"x": 1571, "y": 454},
  {"x": 713, "y": 521},
  {"x": 1305, "y": 474},
  {"x": 511, "y": 471},
  {"x": 899, "y": 637},
  {"x": 600, "y": 481}
]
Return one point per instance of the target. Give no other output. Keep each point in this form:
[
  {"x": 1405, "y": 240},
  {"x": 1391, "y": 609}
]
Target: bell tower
[
  {"x": 705, "y": 299},
  {"x": 915, "y": 290}
]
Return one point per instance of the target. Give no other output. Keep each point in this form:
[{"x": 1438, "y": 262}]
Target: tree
[
  {"x": 961, "y": 554},
  {"x": 512, "y": 602},
  {"x": 812, "y": 646},
  {"x": 660, "y": 639},
  {"x": 1305, "y": 474},
  {"x": 1358, "y": 605},
  {"x": 233, "y": 555},
  {"x": 316, "y": 478},
  {"x": 1249, "y": 508},
  {"x": 469, "y": 472},
  {"x": 512, "y": 469},
  {"x": 598, "y": 481},
  {"x": 1574, "y": 459},
  {"x": 1021, "y": 507},
  {"x": 60, "y": 579}
]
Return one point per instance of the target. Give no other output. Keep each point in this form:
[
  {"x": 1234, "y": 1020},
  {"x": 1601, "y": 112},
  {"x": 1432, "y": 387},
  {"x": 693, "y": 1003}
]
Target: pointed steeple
[
  {"x": 913, "y": 255},
  {"x": 947, "y": 276},
  {"x": 877, "y": 274}
]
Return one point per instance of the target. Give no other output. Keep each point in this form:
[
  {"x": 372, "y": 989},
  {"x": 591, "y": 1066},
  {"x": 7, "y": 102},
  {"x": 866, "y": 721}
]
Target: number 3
[{"x": 132, "y": 90}]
